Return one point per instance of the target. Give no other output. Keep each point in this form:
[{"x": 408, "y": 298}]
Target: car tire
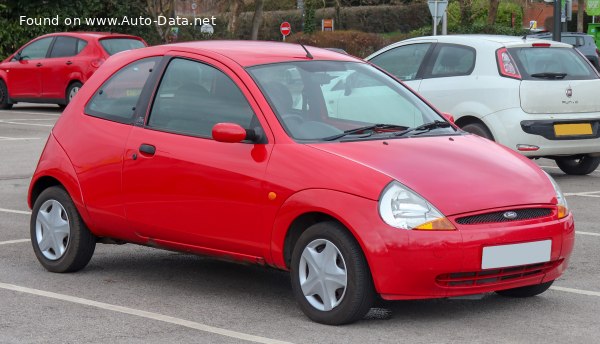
[
  {"x": 528, "y": 291},
  {"x": 71, "y": 92},
  {"x": 4, "y": 104},
  {"x": 61, "y": 240},
  {"x": 580, "y": 166},
  {"x": 338, "y": 252},
  {"x": 479, "y": 130}
]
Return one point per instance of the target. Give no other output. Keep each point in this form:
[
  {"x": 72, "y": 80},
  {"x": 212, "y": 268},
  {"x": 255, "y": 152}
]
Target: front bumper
[
  {"x": 514, "y": 127},
  {"x": 434, "y": 264}
]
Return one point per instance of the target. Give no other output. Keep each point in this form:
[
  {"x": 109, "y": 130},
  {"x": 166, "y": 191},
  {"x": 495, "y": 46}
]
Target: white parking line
[
  {"x": 588, "y": 233},
  {"x": 32, "y": 124},
  {"x": 143, "y": 314},
  {"x": 31, "y": 113},
  {"x": 4, "y": 138},
  {"x": 29, "y": 119},
  {"x": 4, "y": 210},
  {"x": 576, "y": 291},
  {"x": 18, "y": 241}
]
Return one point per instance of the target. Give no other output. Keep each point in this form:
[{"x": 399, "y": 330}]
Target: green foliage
[
  {"x": 309, "y": 16},
  {"x": 13, "y": 35},
  {"x": 355, "y": 43},
  {"x": 479, "y": 11}
]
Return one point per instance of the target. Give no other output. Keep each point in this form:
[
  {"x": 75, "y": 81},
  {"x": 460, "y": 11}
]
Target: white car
[{"x": 538, "y": 97}]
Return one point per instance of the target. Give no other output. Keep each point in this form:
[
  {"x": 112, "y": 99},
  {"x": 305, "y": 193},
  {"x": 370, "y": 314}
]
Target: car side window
[
  {"x": 37, "y": 49},
  {"x": 403, "y": 62},
  {"x": 117, "y": 98},
  {"x": 193, "y": 97},
  {"x": 452, "y": 60},
  {"x": 65, "y": 47}
]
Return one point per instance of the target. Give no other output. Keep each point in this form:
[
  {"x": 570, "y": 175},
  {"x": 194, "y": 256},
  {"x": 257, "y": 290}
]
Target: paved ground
[{"x": 132, "y": 294}]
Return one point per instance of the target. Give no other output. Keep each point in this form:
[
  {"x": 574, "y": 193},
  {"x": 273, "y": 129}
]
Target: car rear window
[
  {"x": 115, "y": 45},
  {"x": 536, "y": 63}
]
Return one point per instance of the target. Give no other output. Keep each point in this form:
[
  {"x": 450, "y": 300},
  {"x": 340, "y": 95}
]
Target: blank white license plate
[{"x": 516, "y": 254}]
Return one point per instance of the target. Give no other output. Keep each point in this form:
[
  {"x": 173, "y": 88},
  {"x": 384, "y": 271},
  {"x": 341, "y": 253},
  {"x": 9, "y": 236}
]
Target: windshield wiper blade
[
  {"x": 361, "y": 129},
  {"x": 424, "y": 127},
  {"x": 549, "y": 75}
]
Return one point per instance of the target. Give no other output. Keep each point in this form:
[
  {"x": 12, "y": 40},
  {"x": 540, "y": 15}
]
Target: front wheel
[
  {"x": 72, "y": 91},
  {"x": 61, "y": 241},
  {"x": 528, "y": 291},
  {"x": 4, "y": 104},
  {"x": 578, "y": 165},
  {"x": 478, "y": 129},
  {"x": 330, "y": 276}
]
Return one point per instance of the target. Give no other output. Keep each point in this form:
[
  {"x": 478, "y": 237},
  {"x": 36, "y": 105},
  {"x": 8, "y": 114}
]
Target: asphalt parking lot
[{"x": 133, "y": 294}]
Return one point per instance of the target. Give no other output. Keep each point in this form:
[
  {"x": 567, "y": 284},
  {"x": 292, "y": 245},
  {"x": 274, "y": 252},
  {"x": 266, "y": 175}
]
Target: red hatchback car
[
  {"x": 301, "y": 159},
  {"x": 52, "y": 68}
]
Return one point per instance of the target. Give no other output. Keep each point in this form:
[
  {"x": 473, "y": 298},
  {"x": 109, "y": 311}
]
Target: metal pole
[
  {"x": 445, "y": 23},
  {"x": 435, "y": 14},
  {"x": 557, "y": 14}
]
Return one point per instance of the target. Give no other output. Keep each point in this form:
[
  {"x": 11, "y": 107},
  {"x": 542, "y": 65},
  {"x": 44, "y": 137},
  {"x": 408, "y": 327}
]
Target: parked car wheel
[
  {"x": 330, "y": 276},
  {"x": 581, "y": 165},
  {"x": 478, "y": 129},
  {"x": 4, "y": 104},
  {"x": 61, "y": 240},
  {"x": 528, "y": 291},
  {"x": 72, "y": 91}
]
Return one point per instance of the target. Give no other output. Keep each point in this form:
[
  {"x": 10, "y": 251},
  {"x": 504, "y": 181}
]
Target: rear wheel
[
  {"x": 478, "y": 129},
  {"x": 330, "y": 276},
  {"x": 61, "y": 241},
  {"x": 4, "y": 104},
  {"x": 528, "y": 291},
  {"x": 72, "y": 91},
  {"x": 581, "y": 165}
]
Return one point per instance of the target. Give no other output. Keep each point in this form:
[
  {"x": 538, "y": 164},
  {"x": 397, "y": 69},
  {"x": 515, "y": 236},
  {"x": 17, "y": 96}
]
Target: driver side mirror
[
  {"x": 233, "y": 133},
  {"x": 448, "y": 117}
]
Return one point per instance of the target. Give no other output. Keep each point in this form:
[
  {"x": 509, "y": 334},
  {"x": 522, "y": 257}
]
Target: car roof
[
  {"x": 88, "y": 34},
  {"x": 491, "y": 39},
  {"x": 250, "y": 53}
]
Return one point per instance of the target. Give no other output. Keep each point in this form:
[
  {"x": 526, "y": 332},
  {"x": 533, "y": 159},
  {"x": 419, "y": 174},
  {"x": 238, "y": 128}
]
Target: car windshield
[
  {"x": 330, "y": 100},
  {"x": 552, "y": 63},
  {"x": 116, "y": 45}
]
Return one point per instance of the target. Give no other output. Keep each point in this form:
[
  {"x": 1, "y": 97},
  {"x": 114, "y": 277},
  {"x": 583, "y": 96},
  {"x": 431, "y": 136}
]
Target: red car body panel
[
  {"x": 47, "y": 79},
  {"x": 238, "y": 200}
]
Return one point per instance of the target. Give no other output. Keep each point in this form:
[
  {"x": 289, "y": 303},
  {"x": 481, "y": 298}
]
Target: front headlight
[
  {"x": 561, "y": 201},
  {"x": 401, "y": 207}
]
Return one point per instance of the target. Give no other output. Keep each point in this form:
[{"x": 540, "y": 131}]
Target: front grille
[
  {"x": 498, "y": 216},
  {"x": 494, "y": 276}
]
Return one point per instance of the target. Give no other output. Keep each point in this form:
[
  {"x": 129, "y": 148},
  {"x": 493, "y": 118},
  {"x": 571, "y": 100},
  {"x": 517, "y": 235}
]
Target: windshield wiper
[
  {"x": 361, "y": 129},
  {"x": 424, "y": 127},
  {"x": 549, "y": 75}
]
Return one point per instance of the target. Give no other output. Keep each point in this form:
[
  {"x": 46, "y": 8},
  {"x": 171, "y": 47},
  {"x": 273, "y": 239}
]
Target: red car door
[
  {"x": 24, "y": 70},
  {"x": 61, "y": 67},
  {"x": 180, "y": 185}
]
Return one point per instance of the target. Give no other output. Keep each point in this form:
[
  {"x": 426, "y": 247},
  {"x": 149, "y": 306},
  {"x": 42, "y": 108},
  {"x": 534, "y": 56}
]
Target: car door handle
[
  {"x": 69, "y": 63},
  {"x": 147, "y": 149},
  {"x": 38, "y": 64}
]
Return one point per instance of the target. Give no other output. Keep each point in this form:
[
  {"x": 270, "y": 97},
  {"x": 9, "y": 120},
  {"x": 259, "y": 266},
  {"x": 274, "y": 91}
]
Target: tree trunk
[
  {"x": 580, "y": 14},
  {"x": 235, "y": 9},
  {"x": 257, "y": 18},
  {"x": 493, "y": 11},
  {"x": 161, "y": 8},
  {"x": 465, "y": 12}
]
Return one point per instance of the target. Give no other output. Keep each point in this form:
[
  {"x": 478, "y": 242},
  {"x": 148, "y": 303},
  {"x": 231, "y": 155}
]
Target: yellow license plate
[{"x": 573, "y": 129}]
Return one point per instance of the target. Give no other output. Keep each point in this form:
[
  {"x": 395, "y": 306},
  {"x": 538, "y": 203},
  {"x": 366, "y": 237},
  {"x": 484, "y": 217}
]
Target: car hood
[{"x": 457, "y": 174}]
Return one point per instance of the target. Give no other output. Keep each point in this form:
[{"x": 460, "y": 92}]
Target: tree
[
  {"x": 493, "y": 11},
  {"x": 235, "y": 9},
  {"x": 466, "y": 12},
  {"x": 580, "y": 14},
  {"x": 257, "y": 18},
  {"x": 161, "y": 8}
]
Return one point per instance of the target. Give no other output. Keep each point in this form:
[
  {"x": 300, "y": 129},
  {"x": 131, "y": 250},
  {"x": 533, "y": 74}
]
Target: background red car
[{"x": 52, "y": 68}]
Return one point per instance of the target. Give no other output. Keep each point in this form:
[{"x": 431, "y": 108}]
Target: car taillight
[
  {"x": 506, "y": 64},
  {"x": 597, "y": 52},
  {"x": 97, "y": 62}
]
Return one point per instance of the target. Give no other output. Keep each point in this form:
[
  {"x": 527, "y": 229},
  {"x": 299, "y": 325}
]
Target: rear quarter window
[{"x": 537, "y": 61}]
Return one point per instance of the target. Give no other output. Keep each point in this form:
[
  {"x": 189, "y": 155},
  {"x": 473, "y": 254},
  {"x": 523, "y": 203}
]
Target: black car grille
[{"x": 498, "y": 216}]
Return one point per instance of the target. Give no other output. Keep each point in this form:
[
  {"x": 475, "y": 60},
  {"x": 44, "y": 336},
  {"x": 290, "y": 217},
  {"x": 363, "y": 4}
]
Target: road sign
[
  {"x": 285, "y": 28},
  {"x": 207, "y": 29},
  {"x": 326, "y": 24},
  {"x": 437, "y": 9}
]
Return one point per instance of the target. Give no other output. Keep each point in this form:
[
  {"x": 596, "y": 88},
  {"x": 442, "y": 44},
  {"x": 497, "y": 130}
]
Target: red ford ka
[{"x": 301, "y": 159}]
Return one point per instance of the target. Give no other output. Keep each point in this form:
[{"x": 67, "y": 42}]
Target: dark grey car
[{"x": 581, "y": 41}]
